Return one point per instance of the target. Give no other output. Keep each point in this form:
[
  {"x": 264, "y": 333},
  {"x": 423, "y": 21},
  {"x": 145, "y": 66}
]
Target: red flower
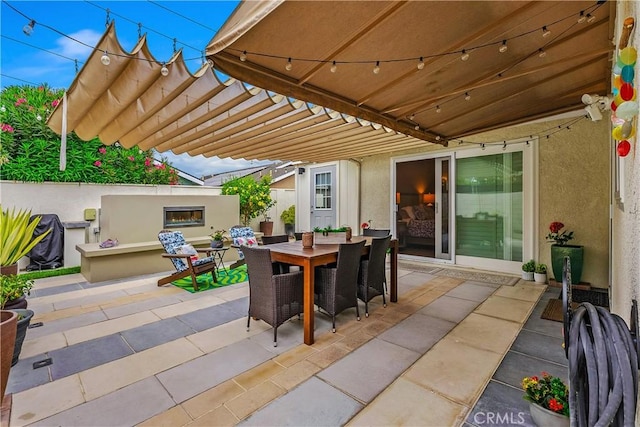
[
  {"x": 55, "y": 103},
  {"x": 102, "y": 150},
  {"x": 131, "y": 158},
  {"x": 7, "y": 128},
  {"x": 556, "y": 226},
  {"x": 554, "y": 405},
  {"x": 20, "y": 101},
  {"x": 97, "y": 163},
  {"x": 364, "y": 225},
  {"x": 147, "y": 162}
]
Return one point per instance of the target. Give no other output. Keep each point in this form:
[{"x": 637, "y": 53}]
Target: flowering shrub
[
  {"x": 557, "y": 236},
  {"x": 365, "y": 225},
  {"x": 29, "y": 150},
  {"x": 255, "y": 197},
  {"x": 547, "y": 391}
]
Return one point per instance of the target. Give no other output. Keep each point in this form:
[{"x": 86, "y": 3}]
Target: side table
[{"x": 218, "y": 256}]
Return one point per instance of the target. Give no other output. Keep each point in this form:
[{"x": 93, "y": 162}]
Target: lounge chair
[
  {"x": 241, "y": 236},
  {"x": 185, "y": 258}
]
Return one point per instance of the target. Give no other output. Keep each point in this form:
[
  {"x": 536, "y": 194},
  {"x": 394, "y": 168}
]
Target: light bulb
[
  {"x": 417, "y": 127},
  {"x": 545, "y": 32},
  {"x": 289, "y": 65},
  {"x": 438, "y": 109},
  {"x": 105, "y": 59},
  {"x": 465, "y": 55},
  {"x": 411, "y": 117},
  {"x": 437, "y": 137},
  {"x": 421, "y": 64},
  {"x": 28, "y": 29},
  {"x": 541, "y": 53},
  {"x": 467, "y": 96},
  {"x": 39, "y": 117},
  {"x": 334, "y": 67},
  {"x": 503, "y": 48},
  {"x": 590, "y": 18},
  {"x": 376, "y": 69},
  {"x": 582, "y": 18},
  {"x": 164, "y": 70},
  {"x": 243, "y": 56}
]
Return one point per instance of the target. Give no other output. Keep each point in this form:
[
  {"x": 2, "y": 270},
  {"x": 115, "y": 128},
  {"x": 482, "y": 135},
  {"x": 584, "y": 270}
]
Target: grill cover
[{"x": 49, "y": 252}]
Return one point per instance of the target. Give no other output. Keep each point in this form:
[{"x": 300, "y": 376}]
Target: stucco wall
[
  {"x": 625, "y": 284},
  {"x": 573, "y": 187}
]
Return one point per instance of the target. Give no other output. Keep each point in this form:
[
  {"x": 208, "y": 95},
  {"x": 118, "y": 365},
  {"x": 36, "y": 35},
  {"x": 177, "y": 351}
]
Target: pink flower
[
  {"x": 131, "y": 158},
  {"x": 147, "y": 162},
  {"x": 40, "y": 88},
  {"x": 102, "y": 150},
  {"x": 7, "y": 128},
  {"x": 20, "y": 101},
  {"x": 55, "y": 103},
  {"x": 97, "y": 163}
]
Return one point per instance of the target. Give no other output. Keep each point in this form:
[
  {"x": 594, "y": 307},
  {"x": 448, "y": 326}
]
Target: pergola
[{"x": 303, "y": 85}]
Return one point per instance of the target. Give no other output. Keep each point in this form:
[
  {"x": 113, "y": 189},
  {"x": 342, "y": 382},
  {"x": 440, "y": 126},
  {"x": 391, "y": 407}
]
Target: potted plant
[
  {"x": 13, "y": 289},
  {"x": 548, "y": 399},
  {"x": 528, "y": 268},
  {"x": 217, "y": 238},
  {"x": 8, "y": 320},
  {"x": 255, "y": 196},
  {"x": 288, "y": 216},
  {"x": 560, "y": 249},
  {"x": 540, "y": 273},
  {"x": 16, "y": 237}
]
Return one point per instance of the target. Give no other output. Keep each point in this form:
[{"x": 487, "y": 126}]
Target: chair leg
[
  {"x": 248, "y": 321},
  {"x": 194, "y": 280},
  {"x": 275, "y": 336},
  {"x": 333, "y": 319},
  {"x": 384, "y": 300},
  {"x": 366, "y": 309},
  {"x": 357, "y": 310}
]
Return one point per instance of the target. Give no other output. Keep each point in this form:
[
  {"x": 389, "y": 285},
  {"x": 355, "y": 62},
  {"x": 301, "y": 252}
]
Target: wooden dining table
[{"x": 320, "y": 254}]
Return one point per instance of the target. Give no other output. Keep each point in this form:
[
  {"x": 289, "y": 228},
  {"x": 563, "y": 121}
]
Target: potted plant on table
[
  {"x": 528, "y": 268},
  {"x": 540, "y": 273},
  {"x": 548, "y": 399},
  {"x": 560, "y": 249},
  {"x": 217, "y": 238},
  {"x": 288, "y": 216}
]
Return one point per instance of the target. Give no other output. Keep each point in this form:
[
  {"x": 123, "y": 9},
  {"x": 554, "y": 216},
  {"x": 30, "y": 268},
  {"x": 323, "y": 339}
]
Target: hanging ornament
[
  {"x": 627, "y": 130},
  {"x": 626, "y": 92},
  {"x": 623, "y": 148},
  {"x": 627, "y": 110},
  {"x": 627, "y": 74},
  {"x": 628, "y": 56},
  {"x": 616, "y": 133}
]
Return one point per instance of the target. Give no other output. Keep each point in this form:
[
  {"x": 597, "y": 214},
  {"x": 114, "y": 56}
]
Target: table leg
[
  {"x": 308, "y": 302},
  {"x": 394, "y": 271}
]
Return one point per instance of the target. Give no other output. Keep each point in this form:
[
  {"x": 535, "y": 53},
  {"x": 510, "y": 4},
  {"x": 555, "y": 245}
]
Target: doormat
[
  {"x": 225, "y": 277},
  {"x": 478, "y": 276},
  {"x": 553, "y": 310}
]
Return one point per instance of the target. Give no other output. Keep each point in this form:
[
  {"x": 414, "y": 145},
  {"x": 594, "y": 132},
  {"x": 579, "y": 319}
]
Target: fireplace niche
[{"x": 183, "y": 216}]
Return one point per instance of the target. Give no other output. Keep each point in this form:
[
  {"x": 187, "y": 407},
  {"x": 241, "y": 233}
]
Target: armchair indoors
[
  {"x": 336, "y": 287},
  {"x": 184, "y": 258},
  {"x": 273, "y": 298}
]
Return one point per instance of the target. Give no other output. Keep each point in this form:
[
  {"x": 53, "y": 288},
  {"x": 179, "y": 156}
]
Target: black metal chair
[
  {"x": 273, "y": 298},
  {"x": 298, "y": 236},
  {"x": 376, "y": 232},
  {"x": 279, "y": 267},
  {"x": 371, "y": 279},
  {"x": 336, "y": 288}
]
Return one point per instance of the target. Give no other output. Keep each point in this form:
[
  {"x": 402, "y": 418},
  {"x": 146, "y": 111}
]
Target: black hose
[{"x": 603, "y": 369}]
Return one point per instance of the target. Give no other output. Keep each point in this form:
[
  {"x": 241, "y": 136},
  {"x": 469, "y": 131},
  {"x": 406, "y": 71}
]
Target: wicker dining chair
[
  {"x": 336, "y": 287},
  {"x": 273, "y": 298},
  {"x": 376, "y": 232},
  {"x": 278, "y": 267},
  {"x": 371, "y": 278}
]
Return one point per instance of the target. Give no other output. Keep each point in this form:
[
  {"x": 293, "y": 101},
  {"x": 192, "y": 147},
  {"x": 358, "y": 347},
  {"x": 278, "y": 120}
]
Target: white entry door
[{"x": 323, "y": 197}]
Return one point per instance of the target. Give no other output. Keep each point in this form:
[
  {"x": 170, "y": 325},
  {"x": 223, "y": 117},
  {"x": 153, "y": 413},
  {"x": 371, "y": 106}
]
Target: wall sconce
[
  {"x": 300, "y": 171},
  {"x": 397, "y": 198},
  {"x": 428, "y": 199}
]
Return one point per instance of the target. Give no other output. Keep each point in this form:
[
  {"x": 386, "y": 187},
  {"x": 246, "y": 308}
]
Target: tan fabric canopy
[
  {"x": 131, "y": 102},
  {"x": 502, "y": 87}
]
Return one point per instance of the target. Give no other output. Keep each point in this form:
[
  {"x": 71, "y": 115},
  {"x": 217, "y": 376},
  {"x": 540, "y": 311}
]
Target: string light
[
  {"x": 411, "y": 117},
  {"x": 28, "y": 28},
  {"x": 376, "y": 69},
  {"x": 482, "y": 145},
  {"x": 504, "y": 145},
  {"x": 437, "y": 137},
  {"x": 438, "y": 109},
  {"x": 542, "y": 53},
  {"x": 545, "y": 32},
  {"x": 503, "y": 48},
  {"x": 289, "y": 65},
  {"x": 465, "y": 55},
  {"x": 164, "y": 70},
  {"x": 582, "y": 18},
  {"x": 417, "y": 127},
  {"x": 467, "y": 97},
  {"x": 590, "y": 18},
  {"x": 421, "y": 64},
  {"x": 334, "y": 67},
  {"x": 105, "y": 58},
  {"x": 243, "y": 56}
]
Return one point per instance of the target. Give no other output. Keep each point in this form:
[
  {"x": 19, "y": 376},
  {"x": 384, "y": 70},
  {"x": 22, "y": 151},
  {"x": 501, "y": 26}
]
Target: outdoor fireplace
[{"x": 183, "y": 216}]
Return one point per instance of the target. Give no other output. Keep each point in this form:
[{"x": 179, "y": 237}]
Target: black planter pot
[
  {"x": 24, "y": 319},
  {"x": 15, "y": 304},
  {"x": 289, "y": 229},
  {"x": 216, "y": 244}
]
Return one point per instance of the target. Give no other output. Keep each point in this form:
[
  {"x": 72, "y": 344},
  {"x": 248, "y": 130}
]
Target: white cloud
[{"x": 73, "y": 49}]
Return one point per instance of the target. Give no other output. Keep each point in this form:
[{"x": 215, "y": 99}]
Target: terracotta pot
[
  {"x": 307, "y": 240},
  {"x": 8, "y": 322},
  {"x": 266, "y": 227},
  {"x": 9, "y": 269}
]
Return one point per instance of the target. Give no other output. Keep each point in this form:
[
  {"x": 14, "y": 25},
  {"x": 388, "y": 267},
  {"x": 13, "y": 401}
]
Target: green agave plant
[{"x": 16, "y": 235}]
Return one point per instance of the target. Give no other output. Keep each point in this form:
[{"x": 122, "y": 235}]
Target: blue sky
[{"x": 47, "y": 56}]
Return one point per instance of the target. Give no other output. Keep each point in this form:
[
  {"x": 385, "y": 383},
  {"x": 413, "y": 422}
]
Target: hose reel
[{"x": 603, "y": 357}]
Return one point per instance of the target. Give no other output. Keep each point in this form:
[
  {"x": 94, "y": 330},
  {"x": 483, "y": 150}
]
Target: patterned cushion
[
  {"x": 246, "y": 241},
  {"x": 242, "y": 236},
  {"x": 171, "y": 242}
]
